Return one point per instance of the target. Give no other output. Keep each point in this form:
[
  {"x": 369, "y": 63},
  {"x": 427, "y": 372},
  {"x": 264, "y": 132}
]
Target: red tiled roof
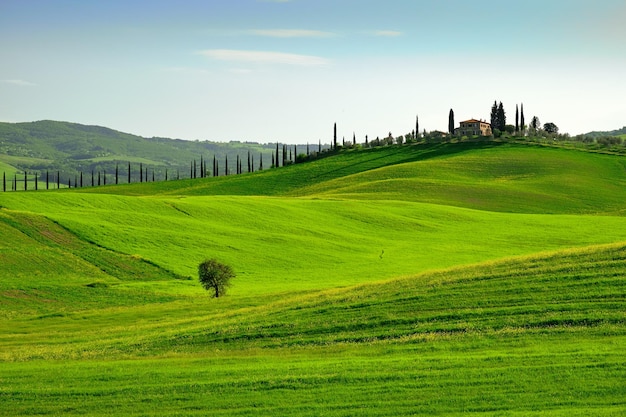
[{"x": 474, "y": 121}]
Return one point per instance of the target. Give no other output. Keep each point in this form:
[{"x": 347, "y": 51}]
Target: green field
[{"x": 449, "y": 279}]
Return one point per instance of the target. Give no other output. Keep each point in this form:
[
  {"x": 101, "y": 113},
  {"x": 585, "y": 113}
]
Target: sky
[{"x": 287, "y": 70}]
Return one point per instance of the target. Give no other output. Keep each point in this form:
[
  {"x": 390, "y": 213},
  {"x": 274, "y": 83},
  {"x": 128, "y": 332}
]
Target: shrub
[{"x": 215, "y": 277}]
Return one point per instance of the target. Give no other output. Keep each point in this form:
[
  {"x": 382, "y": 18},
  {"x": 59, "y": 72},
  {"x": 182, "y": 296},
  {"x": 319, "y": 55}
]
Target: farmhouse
[{"x": 473, "y": 127}]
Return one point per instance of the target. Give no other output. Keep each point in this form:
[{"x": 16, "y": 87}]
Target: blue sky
[{"x": 263, "y": 70}]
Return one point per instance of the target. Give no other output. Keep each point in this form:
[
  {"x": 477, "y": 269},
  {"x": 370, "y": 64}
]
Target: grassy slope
[
  {"x": 283, "y": 244},
  {"x": 8, "y": 171},
  {"x": 488, "y": 176},
  {"x": 540, "y": 334},
  {"x": 510, "y": 178}
]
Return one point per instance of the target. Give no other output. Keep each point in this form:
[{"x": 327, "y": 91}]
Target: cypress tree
[
  {"x": 226, "y": 165},
  {"x": 104, "y": 177},
  {"x": 117, "y": 172},
  {"x": 535, "y": 124},
  {"x": 15, "y": 182},
  {"x": 25, "y": 181},
  {"x": 521, "y": 120},
  {"x": 319, "y": 146},
  {"x": 237, "y": 165},
  {"x": 307, "y": 149},
  {"x": 494, "y": 116},
  {"x": 36, "y": 183},
  {"x": 140, "y": 172},
  {"x": 353, "y": 139},
  {"x": 69, "y": 182},
  {"x": 276, "y": 164},
  {"x": 177, "y": 174},
  {"x": 75, "y": 181},
  {"x": 48, "y": 180},
  {"x": 249, "y": 162},
  {"x": 516, "y": 119},
  {"x": 92, "y": 180},
  {"x": 201, "y": 167},
  {"x": 4, "y": 182},
  {"x": 501, "y": 117},
  {"x": 146, "y": 174},
  {"x": 284, "y": 154},
  {"x": 366, "y": 141},
  {"x": 81, "y": 179},
  {"x": 214, "y": 166},
  {"x": 59, "y": 179},
  {"x": 335, "y": 136},
  {"x": 99, "y": 178},
  {"x": 260, "y": 162},
  {"x": 165, "y": 174},
  {"x": 129, "y": 172},
  {"x": 417, "y": 124},
  {"x": 152, "y": 174},
  {"x": 195, "y": 175},
  {"x": 451, "y": 122},
  {"x": 252, "y": 164}
]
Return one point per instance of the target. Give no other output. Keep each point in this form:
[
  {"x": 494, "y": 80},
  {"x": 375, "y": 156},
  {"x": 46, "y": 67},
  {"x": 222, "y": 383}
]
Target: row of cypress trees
[{"x": 53, "y": 180}]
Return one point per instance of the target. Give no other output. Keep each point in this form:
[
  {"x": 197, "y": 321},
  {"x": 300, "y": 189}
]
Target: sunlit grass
[
  {"x": 426, "y": 280},
  {"x": 535, "y": 335}
]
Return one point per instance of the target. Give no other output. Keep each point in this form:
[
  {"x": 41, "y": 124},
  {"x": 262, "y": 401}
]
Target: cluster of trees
[{"x": 499, "y": 125}]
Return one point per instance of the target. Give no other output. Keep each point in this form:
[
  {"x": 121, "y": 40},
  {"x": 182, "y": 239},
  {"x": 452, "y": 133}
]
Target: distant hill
[
  {"x": 618, "y": 132},
  {"x": 72, "y": 148}
]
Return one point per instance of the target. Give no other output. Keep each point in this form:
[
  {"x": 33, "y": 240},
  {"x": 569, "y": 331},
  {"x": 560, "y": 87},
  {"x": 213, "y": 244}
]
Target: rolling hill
[
  {"x": 478, "y": 277},
  {"x": 73, "y": 148}
]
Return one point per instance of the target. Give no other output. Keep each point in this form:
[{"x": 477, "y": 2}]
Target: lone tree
[{"x": 215, "y": 277}]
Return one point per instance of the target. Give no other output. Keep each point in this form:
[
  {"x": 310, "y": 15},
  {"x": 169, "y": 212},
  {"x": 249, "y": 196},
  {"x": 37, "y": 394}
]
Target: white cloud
[
  {"x": 292, "y": 33},
  {"x": 388, "y": 33},
  {"x": 20, "y": 83},
  {"x": 264, "y": 57}
]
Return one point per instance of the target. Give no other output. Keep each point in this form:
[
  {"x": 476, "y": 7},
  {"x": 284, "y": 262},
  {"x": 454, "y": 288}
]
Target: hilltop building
[{"x": 473, "y": 127}]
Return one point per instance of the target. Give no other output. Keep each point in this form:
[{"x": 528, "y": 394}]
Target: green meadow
[{"x": 479, "y": 278}]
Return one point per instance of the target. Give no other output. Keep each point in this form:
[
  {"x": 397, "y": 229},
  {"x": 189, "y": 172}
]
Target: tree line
[
  {"x": 127, "y": 173},
  {"x": 284, "y": 155}
]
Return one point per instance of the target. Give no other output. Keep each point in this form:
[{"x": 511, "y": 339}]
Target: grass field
[{"x": 453, "y": 279}]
